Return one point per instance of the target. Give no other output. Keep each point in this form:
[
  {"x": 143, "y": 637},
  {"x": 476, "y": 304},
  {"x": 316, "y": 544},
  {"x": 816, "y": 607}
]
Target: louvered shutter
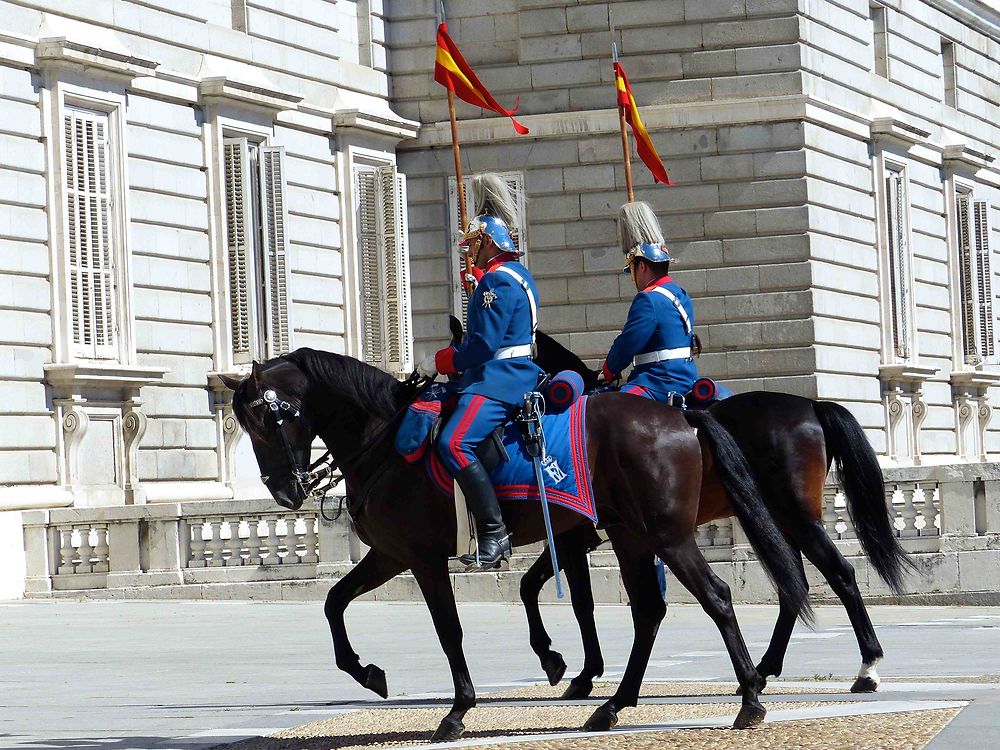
[
  {"x": 240, "y": 244},
  {"x": 366, "y": 190},
  {"x": 89, "y": 240},
  {"x": 274, "y": 218},
  {"x": 897, "y": 244},
  {"x": 395, "y": 281},
  {"x": 984, "y": 280},
  {"x": 967, "y": 280}
]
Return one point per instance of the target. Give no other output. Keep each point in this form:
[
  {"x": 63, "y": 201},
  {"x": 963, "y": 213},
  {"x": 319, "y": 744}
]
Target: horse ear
[
  {"x": 255, "y": 371},
  {"x": 229, "y": 382},
  {"x": 457, "y": 331}
]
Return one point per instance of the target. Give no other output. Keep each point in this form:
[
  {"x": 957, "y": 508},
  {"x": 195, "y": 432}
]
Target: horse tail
[
  {"x": 776, "y": 555},
  {"x": 861, "y": 478}
]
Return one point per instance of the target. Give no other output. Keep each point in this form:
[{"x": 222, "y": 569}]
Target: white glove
[
  {"x": 472, "y": 281},
  {"x": 427, "y": 368}
]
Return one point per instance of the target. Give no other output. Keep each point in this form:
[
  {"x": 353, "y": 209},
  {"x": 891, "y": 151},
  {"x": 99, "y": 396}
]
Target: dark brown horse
[
  {"x": 646, "y": 464},
  {"x": 790, "y": 443}
]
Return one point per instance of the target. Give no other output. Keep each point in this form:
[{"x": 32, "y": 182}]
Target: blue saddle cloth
[{"x": 564, "y": 467}]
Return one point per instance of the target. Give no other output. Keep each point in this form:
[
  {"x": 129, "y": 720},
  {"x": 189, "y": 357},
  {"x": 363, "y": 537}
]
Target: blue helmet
[
  {"x": 495, "y": 229},
  {"x": 653, "y": 252}
]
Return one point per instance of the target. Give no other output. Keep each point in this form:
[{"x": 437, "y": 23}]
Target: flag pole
[
  {"x": 622, "y": 125},
  {"x": 621, "y": 117},
  {"x": 463, "y": 219}
]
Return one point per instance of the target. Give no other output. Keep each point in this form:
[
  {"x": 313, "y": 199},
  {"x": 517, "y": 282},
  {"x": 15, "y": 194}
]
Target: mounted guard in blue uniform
[
  {"x": 658, "y": 339},
  {"x": 496, "y": 360}
]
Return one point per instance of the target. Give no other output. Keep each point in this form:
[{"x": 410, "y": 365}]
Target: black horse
[
  {"x": 646, "y": 464},
  {"x": 790, "y": 443}
]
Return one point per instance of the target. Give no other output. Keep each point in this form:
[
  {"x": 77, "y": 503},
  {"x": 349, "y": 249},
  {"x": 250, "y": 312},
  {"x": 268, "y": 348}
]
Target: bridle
[{"x": 322, "y": 475}]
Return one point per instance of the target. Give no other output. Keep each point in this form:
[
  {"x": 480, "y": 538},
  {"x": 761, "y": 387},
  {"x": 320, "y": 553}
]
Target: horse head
[
  {"x": 289, "y": 401},
  {"x": 269, "y": 405}
]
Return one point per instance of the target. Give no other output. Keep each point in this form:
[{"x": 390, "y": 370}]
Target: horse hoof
[
  {"x": 864, "y": 685},
  {"x": 449, "y": 730},
  {"x": 749, "y": 717},
  {"x": 578, "y": 689},
  {"x": 602, "y": 720},
  {"x": 374, "y": 680},
  {"x": 554, "y": 666}
]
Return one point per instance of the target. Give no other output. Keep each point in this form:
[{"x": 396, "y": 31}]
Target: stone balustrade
[{"x": 948, "y": 517}]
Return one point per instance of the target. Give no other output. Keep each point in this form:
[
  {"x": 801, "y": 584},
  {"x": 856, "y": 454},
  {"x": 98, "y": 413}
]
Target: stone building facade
[
  {"x": 186, "y": 187},
  {"x": 178, "y": 184},
  {"x": 835, "y": 214}
]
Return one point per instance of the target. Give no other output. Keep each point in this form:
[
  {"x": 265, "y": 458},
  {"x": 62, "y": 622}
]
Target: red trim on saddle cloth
[
  {"x": 455, "y": 444},
  {"x": 444, "y": 361},
  {"x": 635, "y": 390}
]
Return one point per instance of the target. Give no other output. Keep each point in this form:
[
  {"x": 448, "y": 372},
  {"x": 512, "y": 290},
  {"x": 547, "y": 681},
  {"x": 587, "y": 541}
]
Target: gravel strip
[
  {"x": 659, "y": 690},
  {"x": 386, "y": 728}
]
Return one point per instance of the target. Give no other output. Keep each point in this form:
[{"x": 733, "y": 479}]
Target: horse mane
[
  {"x": 553, "y": 357},
  {"x": 367, "y": 388}
]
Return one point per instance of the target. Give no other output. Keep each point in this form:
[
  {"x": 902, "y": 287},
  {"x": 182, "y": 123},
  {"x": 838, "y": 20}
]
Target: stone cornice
[
  {"x": 386, "y": 125},
  {"x": 982, "y": 16},
  {"x": 962, "y": 154},
  {"x": 908, "y": 374},
  {"x": 229, "y": 89},
  {"x": 61, "y": 50},
  {"x": 69, "y": 379}
]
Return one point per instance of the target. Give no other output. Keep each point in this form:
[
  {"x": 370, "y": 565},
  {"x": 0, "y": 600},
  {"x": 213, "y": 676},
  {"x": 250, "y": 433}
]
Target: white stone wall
[{"x": 291, "y": 70}]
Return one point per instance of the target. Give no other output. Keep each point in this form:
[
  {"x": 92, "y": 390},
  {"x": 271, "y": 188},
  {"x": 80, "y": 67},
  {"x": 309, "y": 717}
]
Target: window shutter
[
  {"x": 89, "y": 241},
  {"x": 367, "y": 230},
  {"x": 239, "y": 241},
  {"x": 460, "y": 302},
  {"x": 984, "y": 278},
  {"x": 967, "y": 279},
  {"x": 398, "y": 341},
  {"x": 274, "y": 215},
  {"x": 898, "y": 262}
]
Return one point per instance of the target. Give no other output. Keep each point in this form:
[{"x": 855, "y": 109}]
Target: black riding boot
[{"x": 494, "y": 543}]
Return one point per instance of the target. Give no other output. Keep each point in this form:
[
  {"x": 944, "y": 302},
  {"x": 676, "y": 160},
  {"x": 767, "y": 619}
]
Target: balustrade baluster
[
  {"x": 101, "y": 549},
  {"x": 85, "y": 551},
  {"x": 270, "y": 542},
  {"x": 234, "y": 545},
  {"x": 66, "y": 552},
  {"x": 703, "y": 538},
  {"x": 930, "y": 510},
  {"x": 830, "y": 515},
  {"x": 892, "y": 506},
  {"x": 725, "y": 535},
  {"x": 309, "y": 541},
  {"x": 253, "y": 542},
  {"x": 909, "y": 512},
  {"x": 215, "y": 544},
  {"x": 196, "y": 528}
]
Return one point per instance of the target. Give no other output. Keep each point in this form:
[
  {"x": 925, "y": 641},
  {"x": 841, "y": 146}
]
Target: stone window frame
[
  {"x": 885, "y": 163},
  {"x": 64, "y": 97}
]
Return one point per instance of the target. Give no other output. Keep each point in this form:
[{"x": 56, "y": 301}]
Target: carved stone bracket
[
  {"x": 905, "y": 409},
  {"x": 228, "y": 430},
  {"x": 133, "y": 428},
  {"x": 973, "y": 412},
  {"x": 74, "y": 426}
]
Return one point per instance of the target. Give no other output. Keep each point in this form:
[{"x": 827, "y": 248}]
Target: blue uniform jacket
[
  {"x": 499, "y": 316},
  {"x": 654, "y": 323}
]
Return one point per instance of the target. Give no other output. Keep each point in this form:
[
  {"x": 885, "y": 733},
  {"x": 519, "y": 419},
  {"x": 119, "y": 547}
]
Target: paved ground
[{"x": 161, "y": 675}]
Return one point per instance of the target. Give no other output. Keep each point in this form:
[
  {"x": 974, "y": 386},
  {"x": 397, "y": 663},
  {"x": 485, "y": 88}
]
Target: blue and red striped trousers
[{"x": 474, "y": 418}]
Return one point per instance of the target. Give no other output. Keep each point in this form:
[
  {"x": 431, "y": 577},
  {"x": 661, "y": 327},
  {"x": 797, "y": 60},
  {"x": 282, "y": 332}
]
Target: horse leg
[
  {"x": 435, "y": 585},
  {"x": 839, "y": 573},
  {"x": 373, "y": 570},
  {"x": 773, "y": 660},
  {"x": 688, "y": 564},
  {"x": 573, "y": 555},
  {"x": 531, "y": 586},
  {"x": 638, "y": 573}
]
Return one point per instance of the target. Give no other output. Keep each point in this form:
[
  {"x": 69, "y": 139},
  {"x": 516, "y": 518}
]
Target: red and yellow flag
[
  {"x": 643, "y": 144},
  {"x": 453, "y": 72}
]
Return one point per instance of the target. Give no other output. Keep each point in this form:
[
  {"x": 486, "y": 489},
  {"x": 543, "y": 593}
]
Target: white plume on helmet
[
  {"x": 492, "y": 196},
  {"x": 637, "y": 225}
]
